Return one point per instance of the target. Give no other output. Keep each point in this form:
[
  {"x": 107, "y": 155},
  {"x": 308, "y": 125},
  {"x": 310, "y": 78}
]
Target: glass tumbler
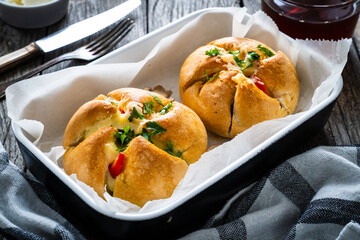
[{"x": 314, "y": 19}]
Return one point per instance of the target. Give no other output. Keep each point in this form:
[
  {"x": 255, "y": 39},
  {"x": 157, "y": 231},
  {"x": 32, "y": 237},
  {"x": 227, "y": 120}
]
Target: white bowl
[{"x": 35, "y": 16}]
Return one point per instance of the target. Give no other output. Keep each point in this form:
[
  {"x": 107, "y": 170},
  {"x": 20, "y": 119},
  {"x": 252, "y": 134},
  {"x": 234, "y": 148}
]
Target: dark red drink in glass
[{"x": 314, "y": 19}]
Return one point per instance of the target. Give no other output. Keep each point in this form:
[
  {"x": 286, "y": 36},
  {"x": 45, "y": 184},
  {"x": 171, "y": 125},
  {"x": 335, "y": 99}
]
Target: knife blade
[{"x": 68, "y": 35}]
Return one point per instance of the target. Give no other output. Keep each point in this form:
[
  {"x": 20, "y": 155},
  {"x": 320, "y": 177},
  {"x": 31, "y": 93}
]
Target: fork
[{"x": 89, "y": 52}]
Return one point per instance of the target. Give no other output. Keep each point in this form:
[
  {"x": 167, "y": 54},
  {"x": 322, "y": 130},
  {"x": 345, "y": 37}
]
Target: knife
[{"x": 68, "y": 35}]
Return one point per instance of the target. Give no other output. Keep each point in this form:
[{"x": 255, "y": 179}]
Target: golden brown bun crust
[
  {"x": 89, "y": 159},
  {"x": 231, "y": 102},
  {"x": 87, "y": 115},
  {"x": 184, "y": 128},
  {"x": 91, "y": 145},
  {"x": 150, "y": 173}
]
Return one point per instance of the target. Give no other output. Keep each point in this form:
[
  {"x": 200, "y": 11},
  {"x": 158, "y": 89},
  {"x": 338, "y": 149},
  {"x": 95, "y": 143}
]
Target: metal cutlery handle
[
  {"x": 44, "y": 66},
  {"x": 35, "y": 71},
  {"x": 91, "y": 51},
  {"x": 69, "y": 34},
  {"x": 9, "y": 60}
]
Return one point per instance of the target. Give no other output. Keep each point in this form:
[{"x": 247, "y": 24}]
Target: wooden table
[{"x": 342, "y": 128}]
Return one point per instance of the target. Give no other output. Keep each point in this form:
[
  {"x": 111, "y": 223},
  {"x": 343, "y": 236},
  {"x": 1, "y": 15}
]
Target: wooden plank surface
[
  {"x": 150, "y": 16},
  {"x": 343, "y": 127},
  {"x": 12, "y": 39}
]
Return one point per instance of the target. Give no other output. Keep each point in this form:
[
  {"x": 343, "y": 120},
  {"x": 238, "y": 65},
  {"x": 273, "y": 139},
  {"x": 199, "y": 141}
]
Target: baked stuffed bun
[
  {"x": 136, "y": 144},
  {"x": 234, "y": 83}
]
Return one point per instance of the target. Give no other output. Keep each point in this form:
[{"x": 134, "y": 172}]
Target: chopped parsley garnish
[
  {"x": 170, "y": 146},
  {"x": 213, "y": 52},
  {"x": 149, "y": 107},
  {"x": 212, "y": 77},
  {"x": 135, "y": 114},
  {"x": 248, "y": 64},
  {"x": 113, "y": 102},
  {"x": 265, "y": 50},
  {"x": 239, "y": 62},
  {"x": 235, "y": 53},
  {"x": 250, "y": 56},
  {"x": 127, "y": 129},
  {"x": 166, "y": 108},
  {"x": 253, "y": 56},
  {"x": 157, "y": 129},
  {"x": 157, "y": 99},
  {"x": 145, "y": 134},
  {"x": 124, "y": 136},
  {"x": 170, "y": 150}
]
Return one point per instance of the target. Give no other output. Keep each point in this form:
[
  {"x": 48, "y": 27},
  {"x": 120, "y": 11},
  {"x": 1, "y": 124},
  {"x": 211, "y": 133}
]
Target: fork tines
[{"x": 109, "y": 40}]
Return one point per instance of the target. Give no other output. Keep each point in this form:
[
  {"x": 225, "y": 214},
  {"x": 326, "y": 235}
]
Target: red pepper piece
[
  {"x": 117, "y": 166},
  {"x": 259, "y": 84}
]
